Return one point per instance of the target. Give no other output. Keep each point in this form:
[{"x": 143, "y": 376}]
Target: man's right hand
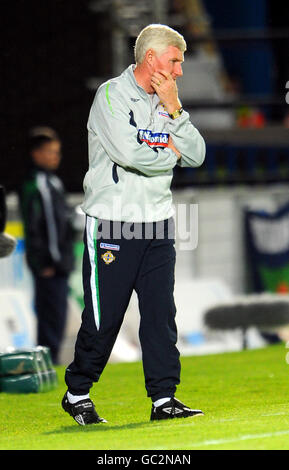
[{"x": 166, "y": 89}]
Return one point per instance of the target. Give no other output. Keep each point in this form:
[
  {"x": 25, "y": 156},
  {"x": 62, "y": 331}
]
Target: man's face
[
  {"x": 48, "y": 156},
  {"x": 170, "y": 61}
]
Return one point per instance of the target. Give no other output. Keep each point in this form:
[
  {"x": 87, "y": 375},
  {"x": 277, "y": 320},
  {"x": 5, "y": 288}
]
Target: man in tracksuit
[{"x": 137, "y": 133}]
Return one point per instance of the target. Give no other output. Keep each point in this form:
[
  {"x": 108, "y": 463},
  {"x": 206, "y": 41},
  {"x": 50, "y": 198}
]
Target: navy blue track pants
[
  {"x": 51, "y": 308},
  {"x": 119, "y": 258}
]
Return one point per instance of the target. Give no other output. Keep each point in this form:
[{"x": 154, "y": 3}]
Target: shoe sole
[{"x": 178, "y": 417}]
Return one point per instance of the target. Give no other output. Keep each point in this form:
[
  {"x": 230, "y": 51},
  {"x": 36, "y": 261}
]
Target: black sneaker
[
  {"x": 83, "y": 411},
  {"x": 173, "y": 409}
]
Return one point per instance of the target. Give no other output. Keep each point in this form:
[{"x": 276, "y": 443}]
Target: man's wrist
[
  {"x": 176, "y": 113},
  {"x": 172, "y": 107}
]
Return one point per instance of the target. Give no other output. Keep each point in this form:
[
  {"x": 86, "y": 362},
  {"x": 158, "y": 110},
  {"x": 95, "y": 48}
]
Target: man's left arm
[{"x": 188, "y": 140}]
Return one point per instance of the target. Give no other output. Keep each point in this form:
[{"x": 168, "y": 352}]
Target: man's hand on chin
[{"x": 166, "y": 88}]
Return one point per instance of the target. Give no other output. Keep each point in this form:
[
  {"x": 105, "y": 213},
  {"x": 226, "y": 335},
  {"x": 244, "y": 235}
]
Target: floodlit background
[{"x": 54, "y": 56}]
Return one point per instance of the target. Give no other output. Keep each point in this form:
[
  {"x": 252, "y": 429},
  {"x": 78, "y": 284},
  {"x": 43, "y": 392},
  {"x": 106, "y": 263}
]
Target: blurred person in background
[{"x": 48, "y": 237}]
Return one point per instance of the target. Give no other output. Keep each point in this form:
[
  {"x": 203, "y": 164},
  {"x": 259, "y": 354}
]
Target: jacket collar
[{"x": 129, "y": 75}]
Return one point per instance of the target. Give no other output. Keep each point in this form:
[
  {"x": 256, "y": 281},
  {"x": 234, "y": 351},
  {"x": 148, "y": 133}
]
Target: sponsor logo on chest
[{"x": 154, "y": 139}]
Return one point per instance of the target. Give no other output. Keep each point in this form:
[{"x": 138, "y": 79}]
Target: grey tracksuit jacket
[{"x": 130, "y": 166}]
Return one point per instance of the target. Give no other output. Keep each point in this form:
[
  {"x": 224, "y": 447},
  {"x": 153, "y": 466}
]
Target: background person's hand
[{"x": 47, "y": 272}]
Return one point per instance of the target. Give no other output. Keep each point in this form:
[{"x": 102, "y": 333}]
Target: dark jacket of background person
[{"x": 47, "y": 223}]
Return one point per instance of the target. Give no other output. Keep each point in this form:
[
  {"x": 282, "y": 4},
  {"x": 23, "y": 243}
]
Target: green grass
[{"x": 244, "y": 396}]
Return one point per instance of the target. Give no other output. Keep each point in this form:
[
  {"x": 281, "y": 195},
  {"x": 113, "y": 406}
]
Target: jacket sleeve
[
  {"x": 111, "y": 120},
  {"x": 188, "y": 141}
]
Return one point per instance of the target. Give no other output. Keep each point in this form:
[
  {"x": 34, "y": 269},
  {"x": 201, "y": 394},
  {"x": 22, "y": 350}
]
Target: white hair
[{"x": 157, "y": 37}]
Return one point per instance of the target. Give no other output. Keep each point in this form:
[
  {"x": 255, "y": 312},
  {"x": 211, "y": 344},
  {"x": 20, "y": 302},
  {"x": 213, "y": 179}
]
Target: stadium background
[{"x": 56, "y": 53}]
